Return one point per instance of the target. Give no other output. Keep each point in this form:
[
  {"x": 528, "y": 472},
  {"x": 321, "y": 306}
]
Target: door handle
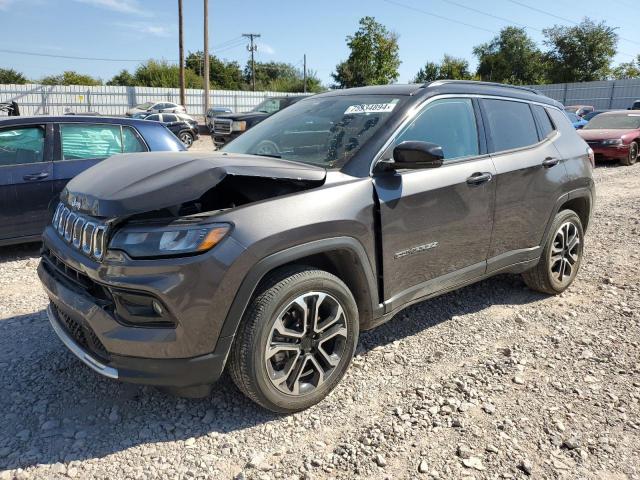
[
  {"x": 479, "y": 178},
  {"x": 550, "y": 162},
  {"x": 32, "y": 177}
]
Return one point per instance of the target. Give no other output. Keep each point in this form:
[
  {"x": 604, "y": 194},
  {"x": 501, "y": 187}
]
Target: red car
[{"x": 614, "y": 136}]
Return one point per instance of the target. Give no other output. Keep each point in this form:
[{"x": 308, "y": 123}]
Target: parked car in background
[
  {"x": 39, "y": 155},
  {"x": 595, "y": 113},
  {"x": 579, "y": 110},
  {"x": 381, "y": 197},
  {"x": 576, "y": 121},
  {"x": 614, "y": 136},
  {"x": 213, "y": 113},
  {"x": 11, "y": 109},
  {"x": 226, "y": 127},
  {"x": 635, "y": 105},
  {"x": 156, "y": 107},
  {"x": 182, "y": 125}
]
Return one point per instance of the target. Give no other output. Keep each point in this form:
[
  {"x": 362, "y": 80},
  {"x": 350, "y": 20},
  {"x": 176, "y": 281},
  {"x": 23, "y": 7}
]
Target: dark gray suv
[{"x": 326, "y": 219}]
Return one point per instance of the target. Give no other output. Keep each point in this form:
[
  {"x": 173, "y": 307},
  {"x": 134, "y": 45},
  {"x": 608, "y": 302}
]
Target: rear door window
[
  {"x": 544, "y": 122},
  {"x": 169, "y": 117},
  {"x": 22, "y": 145},
  {"x": 450, "y": 123},
  {"x": 90, "y": 141},
  {"x": 511, "y": 124},
  {"x": 155, "y": 117}
]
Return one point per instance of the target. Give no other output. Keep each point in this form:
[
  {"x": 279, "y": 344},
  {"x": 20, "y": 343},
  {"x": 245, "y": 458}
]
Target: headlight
[
  {"x": 239, "y": 126},
  {"x": 144, "y": 241},
  {"x": 613, "y": 141}
]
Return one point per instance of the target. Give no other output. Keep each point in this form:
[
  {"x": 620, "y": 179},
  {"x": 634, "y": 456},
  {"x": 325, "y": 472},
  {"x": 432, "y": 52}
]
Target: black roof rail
[{"x": 489, "y": 84}]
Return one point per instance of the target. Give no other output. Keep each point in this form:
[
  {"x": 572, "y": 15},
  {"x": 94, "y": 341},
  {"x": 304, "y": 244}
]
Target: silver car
[{"x": 156, "y": 107}]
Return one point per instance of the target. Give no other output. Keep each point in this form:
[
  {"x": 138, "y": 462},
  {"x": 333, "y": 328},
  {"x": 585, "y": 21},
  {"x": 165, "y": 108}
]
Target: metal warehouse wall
[
  {"x": 608, "y": 94},
  {"x": 35, "y": 99}
]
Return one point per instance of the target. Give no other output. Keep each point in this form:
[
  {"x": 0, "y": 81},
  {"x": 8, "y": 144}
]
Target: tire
[
  {"x": 547, "y": 276},
  {"x": 631, "y": 158},
  {"x": 186, "y": 138},
  {"x": 276, "y": 313}
]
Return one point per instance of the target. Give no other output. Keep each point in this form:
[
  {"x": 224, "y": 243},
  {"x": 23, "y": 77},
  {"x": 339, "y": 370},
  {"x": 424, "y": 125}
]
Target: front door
[
  {"x": 26, "y": 175},
  {"x": 436, "y": 223}
]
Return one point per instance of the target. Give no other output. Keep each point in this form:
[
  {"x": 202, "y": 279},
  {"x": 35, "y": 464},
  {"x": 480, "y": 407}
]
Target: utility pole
[
  {"x": 206, "y": 56},
  {"x": 304, "y": 72},
  {"x": 181, "y": 52},
  {"x": 252, "y": 47}
]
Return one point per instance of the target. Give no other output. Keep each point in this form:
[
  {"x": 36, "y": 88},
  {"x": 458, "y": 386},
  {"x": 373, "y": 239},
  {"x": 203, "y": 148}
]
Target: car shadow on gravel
[
  {"x": 54, "y": 409},
  {"x": 18, "y": 252}
]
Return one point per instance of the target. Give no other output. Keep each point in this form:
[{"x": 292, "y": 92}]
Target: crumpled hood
[{"x": 142, "y": 182}]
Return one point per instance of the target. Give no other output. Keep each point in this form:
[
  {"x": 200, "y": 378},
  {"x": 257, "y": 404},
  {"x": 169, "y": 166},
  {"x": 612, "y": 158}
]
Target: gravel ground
[{"x": 492, "y": 381}]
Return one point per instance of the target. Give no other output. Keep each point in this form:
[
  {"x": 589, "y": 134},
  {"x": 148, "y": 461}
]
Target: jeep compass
[{"x": 269, "y": 257}]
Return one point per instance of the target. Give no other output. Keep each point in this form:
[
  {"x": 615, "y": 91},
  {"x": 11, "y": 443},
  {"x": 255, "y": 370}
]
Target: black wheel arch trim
[
  {"x": 582, "y": 192},
  {"x": 284, "y": 257}
]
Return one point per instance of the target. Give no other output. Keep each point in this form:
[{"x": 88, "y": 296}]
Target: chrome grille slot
[
  {"x": 221, "y": 125},
  {"x": 83, "y": 233}
]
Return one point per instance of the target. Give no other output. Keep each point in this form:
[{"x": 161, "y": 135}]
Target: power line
[
  {"x": 506, "y": 20},
  {"x": 442, "y": 17},
  {"x": 544, "y": 12}
]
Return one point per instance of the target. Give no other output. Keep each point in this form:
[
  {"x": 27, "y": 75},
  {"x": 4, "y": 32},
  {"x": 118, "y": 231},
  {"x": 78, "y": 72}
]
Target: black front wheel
[{"x": 296, "y": 340}]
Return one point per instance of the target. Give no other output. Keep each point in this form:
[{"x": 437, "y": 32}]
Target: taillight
[{"x": 592, "y": 157}]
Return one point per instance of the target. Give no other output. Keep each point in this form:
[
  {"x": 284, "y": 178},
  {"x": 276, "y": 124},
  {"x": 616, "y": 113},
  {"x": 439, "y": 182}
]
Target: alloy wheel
[
  {"x": 565, "y": 253},
  {"x": 306, "y": 343},
  {"x": 187, "y": 139}
]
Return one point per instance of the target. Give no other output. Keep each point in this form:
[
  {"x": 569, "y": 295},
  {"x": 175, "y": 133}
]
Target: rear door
[
  {"x": 530, "y": 176},
  {"x": 436, "y": 223},
  {"x": 82, "y": 145},
  {"x": 25, "y": 180}
]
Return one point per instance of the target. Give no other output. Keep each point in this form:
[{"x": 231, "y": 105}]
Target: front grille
[
  {"x": 222, "y": 125},
  {"x": 83, "y": 233},
  {"x": 82, "y": 334},
  {"x": 595, "y": 143}
]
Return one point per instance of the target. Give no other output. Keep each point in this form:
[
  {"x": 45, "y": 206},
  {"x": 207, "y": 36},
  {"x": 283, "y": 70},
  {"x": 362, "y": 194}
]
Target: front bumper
[
  {"x": 191, "y": 353},
  {"x": 612, "y": 152},
  {"x": 221, "y": 140}
]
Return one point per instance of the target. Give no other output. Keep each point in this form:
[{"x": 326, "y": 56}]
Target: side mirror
[{"x": 417, "y": 155}]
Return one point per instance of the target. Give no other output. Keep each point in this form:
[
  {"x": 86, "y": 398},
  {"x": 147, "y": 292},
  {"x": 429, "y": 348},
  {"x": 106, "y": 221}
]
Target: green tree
[
  {"x": 450, "y": 68},
  {"x": 155, "y": 73},
  {"x": 281, "y": 77},
  {"x": 223, "y": 74},
  {"x": 11, "y": 76},
  {"x": 122, "y": 79},
  {"x": 510, "y": 57},
  {"x": 374, "y": 58},
  {"x": 70, "y": 78},
  {"x": 627, "y": 70},
  {"x": 581, "y": 53}
]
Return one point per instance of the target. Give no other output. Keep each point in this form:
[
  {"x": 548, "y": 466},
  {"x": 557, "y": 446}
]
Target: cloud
[
  {"x": 266, "y": 48},
  {"x": 122, "y": 6},
  {"x": 145, "y": 28}
]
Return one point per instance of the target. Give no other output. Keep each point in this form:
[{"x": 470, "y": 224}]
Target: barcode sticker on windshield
[{"x": 370, "y": 108}]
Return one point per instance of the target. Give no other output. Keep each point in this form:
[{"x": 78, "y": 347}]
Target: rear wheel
[
  {"x": 186, "y": 138},
  {"x": 632, "y": 155},
  {"x": 561, "y": 256},
  {"x": 296, "y": 340}
]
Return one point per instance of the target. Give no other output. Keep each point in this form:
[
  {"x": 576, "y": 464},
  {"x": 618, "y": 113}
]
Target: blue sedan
[
  {"x": 576, "y": 121},
  {"x": 39, "y": 155}
]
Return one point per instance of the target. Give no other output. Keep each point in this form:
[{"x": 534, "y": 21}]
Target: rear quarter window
[
  {"x": 544, "y": 122},
  {"x": 511, "y": 124}
]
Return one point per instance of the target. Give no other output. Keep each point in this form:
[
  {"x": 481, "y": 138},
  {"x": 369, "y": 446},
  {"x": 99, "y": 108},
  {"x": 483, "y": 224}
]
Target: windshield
[
  {"x": 624, "y": 121},
  {"x": 144, "y": 106},
  {"x": 270, "y": 105},
  {"x": 324, "y": 131}
]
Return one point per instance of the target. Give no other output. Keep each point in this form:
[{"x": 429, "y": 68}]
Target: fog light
[{"x": 157, "y": 307}]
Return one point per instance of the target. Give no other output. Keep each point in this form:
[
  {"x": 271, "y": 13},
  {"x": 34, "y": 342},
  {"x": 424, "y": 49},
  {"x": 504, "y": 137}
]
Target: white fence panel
[
  {"x": 35, "y": 99},
  {"x": 603, "y": 95}
]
